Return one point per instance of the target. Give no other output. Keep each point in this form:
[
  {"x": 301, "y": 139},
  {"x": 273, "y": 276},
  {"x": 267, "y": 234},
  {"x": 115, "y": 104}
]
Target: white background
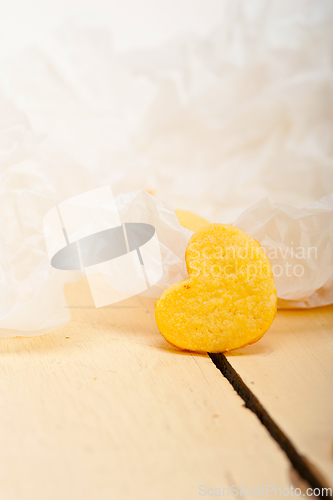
[{"x": 134, "y": 23}]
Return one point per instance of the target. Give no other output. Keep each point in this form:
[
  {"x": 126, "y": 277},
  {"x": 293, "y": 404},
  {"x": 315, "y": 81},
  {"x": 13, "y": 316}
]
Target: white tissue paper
[
  {"x": 299, "y": 244},
  {"x": 214, "y": 125}
]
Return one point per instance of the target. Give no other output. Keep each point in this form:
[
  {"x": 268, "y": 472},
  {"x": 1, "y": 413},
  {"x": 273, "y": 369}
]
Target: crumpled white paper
[
  {"x": 140, "y": 206},
  {"x": 299, "y": 244},
  {"x": 212, "y": 125},
  {"x": 31, "y": 291}
]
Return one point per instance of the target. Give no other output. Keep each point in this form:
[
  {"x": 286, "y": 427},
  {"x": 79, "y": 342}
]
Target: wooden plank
[
  {"x": 291, "y": 372},
  {"x": 105, "y": 409}
]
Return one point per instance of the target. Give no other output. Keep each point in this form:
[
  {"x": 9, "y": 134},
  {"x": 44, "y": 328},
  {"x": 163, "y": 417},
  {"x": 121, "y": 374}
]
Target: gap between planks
[{"x": 253, "y": 404}]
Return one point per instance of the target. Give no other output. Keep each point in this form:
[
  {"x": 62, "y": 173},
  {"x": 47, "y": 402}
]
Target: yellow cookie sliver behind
[
  {"x": 190, "y": 220},
  {"x": 228, "y": 301}
]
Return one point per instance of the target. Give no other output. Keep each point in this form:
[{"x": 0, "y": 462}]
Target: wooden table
[{"x": 105, "y": 409}]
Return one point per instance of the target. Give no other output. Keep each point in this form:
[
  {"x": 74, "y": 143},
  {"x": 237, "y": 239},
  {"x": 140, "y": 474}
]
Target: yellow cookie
[
  {"x": 190, "y": 220},
  {"x": 229, "y": 299}
]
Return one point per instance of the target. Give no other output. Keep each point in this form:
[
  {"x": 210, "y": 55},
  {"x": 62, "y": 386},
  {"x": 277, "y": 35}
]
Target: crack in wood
[{"x": 252, "y": 403}]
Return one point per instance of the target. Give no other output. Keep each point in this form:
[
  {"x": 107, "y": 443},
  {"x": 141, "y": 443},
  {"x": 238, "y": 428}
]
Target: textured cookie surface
[
  {"x": 190, "y": 220},
  {"x": 229, "y": 299}
]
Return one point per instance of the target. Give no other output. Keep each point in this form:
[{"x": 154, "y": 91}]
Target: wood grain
[{"x": 105, "y": 409}]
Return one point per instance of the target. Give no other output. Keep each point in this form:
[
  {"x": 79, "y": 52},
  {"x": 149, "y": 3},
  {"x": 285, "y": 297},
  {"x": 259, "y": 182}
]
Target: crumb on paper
[{"x": 189, "y": 220}]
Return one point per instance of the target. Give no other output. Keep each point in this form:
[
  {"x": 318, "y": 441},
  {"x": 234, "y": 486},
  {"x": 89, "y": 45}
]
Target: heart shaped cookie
[{"x": 229, "y": 299}]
